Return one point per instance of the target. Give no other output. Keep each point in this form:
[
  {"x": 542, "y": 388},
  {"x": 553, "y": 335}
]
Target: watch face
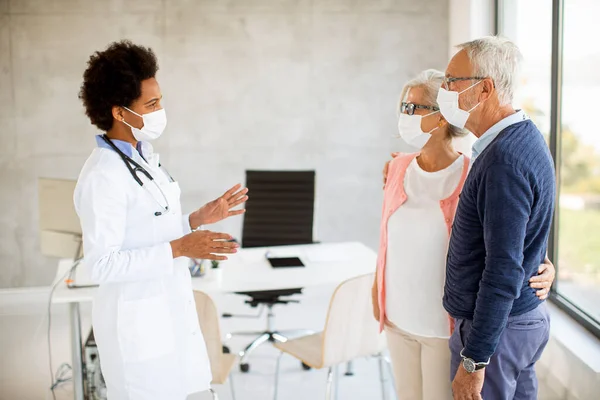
[{"x": 469, "y": 365}]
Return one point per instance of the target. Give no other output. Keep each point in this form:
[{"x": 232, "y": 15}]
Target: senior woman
[{"x": 420, "y": 198}]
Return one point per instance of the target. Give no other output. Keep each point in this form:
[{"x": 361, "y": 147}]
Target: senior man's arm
[{"x": 504, "y": 203}]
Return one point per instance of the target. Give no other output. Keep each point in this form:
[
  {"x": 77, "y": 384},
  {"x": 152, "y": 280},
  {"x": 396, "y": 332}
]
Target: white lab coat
[{"x": 144, "y": 316}]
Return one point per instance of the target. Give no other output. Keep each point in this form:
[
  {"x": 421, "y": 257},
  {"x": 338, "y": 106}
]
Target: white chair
[
  {"x": 221, "y": 363},
  {"x": 350, "y": 332}
]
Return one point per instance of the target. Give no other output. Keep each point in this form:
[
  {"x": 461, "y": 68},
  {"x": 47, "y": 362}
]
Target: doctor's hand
[
  {"x": 204, "y": 245},
  {"x": 544, "y": 279},
  {"x": 220, "y": 208}
]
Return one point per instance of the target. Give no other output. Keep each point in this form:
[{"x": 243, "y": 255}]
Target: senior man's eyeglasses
[
  {"x": 409, "y": 108},
  {"x": 450, "y": 79}
]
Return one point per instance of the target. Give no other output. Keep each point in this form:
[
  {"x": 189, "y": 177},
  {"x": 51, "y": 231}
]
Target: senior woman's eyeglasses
[
  {"x": 449, "y": 79},
  {"x": 409, "y": 108}
]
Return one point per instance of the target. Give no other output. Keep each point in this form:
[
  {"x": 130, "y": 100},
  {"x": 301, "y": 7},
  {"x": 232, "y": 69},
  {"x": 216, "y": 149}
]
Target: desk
[{"x": 248, "y": 270}]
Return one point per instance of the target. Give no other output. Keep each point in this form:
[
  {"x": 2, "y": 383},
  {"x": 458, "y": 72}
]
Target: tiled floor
[{"x": 24, "y": 362}]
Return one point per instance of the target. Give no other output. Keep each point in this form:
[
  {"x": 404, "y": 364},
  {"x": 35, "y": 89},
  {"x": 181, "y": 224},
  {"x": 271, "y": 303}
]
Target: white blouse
[{"x": 416, "y": 253}]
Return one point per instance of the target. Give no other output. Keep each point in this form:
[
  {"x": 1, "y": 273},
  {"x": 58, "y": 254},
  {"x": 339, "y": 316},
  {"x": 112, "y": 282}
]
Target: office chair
[{"x": 280, "y": 212}]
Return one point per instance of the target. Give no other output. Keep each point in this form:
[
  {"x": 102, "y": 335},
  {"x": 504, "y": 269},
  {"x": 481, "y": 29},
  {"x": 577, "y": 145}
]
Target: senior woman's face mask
[
  {"x": 409, "y": 124},
  {"x": 409, "y": 128}
]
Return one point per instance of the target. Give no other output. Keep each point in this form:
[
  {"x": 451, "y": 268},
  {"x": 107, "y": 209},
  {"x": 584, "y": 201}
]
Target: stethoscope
[{"x": 134, "y": 168}]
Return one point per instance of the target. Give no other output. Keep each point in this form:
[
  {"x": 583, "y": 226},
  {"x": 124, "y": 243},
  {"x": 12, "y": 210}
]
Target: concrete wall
[
  {"x": 286, "y": 84},
  {"x": 470, "y": 19}
]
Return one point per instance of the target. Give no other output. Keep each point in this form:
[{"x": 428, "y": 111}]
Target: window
[
  {"x": 528, "y": 23},
  {"x": 561, "y": 59},
  {"x": 579, "y": 212}
]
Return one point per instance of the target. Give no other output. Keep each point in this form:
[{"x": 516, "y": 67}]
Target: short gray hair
[
  {"x": 430, "y": 81},
  {"x": 497, "y": 58}
]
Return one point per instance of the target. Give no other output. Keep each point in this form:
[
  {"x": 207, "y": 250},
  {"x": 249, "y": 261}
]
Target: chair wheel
[
  {"x": 306, "y": 367},
  {"x": 244, "y": 368},
  {"x": 226, "y": 350}
]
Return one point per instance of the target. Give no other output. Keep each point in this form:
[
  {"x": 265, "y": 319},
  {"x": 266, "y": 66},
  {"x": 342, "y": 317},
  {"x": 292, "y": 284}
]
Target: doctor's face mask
[
  {"x": 149, "y": 109},
  {"x": 154, "y": 125}
]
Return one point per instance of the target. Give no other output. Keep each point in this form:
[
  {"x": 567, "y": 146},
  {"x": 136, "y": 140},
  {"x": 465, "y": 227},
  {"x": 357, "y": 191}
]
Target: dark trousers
[{"x": 511, "y": 373}]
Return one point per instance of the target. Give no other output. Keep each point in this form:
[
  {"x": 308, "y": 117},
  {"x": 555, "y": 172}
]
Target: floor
[{"x": 24, "y": 369}]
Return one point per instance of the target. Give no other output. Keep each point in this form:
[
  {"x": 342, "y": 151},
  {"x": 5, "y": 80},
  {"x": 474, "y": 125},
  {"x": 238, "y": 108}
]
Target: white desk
[{"x": 248, "y": 270}]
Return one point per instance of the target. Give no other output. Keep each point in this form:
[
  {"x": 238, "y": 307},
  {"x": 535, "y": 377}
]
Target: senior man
[{"x": 500, "y": 233}]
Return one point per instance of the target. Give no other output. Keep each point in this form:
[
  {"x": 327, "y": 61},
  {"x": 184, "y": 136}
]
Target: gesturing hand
[
  {"x": 220, "y": 208},
  {"x": 204, "y": 245}
]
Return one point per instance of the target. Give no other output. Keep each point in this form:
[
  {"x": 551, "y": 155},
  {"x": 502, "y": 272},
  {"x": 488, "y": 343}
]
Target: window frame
[{"x": 556, "y": 76}]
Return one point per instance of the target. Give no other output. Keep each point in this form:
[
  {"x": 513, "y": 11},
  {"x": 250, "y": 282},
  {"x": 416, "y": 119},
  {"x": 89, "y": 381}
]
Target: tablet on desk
[{"x": 285, "y": 262}]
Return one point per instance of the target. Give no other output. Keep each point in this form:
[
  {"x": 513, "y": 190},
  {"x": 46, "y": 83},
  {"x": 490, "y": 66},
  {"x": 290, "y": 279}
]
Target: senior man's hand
[
  {"x": 544, "y": 279},
  {"x": 387, "y": 167},
  {"x": 466, "y": 386}
]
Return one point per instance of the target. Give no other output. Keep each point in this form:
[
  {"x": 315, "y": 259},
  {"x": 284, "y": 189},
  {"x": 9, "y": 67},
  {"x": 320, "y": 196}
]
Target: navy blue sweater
[{"x": 500, "y": 235}]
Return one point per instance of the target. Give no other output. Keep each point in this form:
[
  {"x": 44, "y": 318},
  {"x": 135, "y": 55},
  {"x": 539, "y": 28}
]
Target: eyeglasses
[
  {"x": 409, "y": 108},
  {"x": 448, "y": 80}
]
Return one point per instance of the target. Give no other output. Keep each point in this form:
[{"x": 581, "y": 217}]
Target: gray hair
[
  {"x": 497, "y": 58},
  {"x": 430, "y": 81}
]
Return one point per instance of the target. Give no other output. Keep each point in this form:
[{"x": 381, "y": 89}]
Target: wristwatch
[{"x": 470, "y": 365}]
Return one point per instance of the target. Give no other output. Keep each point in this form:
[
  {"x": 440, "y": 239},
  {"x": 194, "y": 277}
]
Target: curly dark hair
[{"x": 114, "y": 78}]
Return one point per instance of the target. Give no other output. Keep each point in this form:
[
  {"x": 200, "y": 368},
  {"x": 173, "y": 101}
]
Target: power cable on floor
[{"x": 64, "y": 368}]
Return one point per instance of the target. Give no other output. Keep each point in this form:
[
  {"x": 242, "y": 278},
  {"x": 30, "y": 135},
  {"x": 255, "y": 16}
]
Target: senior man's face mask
[{"x": 448, "y": 103}]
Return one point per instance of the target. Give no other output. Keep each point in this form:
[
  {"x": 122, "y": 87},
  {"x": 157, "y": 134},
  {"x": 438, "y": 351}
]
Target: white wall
[
  {"x": 247, "y": 84},
  {"x": 469, "y": 19}
]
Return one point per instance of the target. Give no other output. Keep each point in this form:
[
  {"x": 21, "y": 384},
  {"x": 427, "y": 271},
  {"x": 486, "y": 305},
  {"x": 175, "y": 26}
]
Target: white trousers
[{"x": 421, "y": 365}]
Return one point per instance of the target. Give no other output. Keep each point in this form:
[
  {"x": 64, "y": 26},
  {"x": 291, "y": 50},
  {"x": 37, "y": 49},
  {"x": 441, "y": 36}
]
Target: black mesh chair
[{"x": 280, "y": 212}]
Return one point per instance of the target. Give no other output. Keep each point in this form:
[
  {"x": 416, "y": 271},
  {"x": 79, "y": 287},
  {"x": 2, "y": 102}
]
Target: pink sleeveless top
[{"x": 393, "y": 198}]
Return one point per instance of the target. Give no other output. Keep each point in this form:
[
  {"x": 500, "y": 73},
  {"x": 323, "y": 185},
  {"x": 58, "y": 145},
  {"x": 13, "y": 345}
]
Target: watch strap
[{"x": 470, "y": 365}]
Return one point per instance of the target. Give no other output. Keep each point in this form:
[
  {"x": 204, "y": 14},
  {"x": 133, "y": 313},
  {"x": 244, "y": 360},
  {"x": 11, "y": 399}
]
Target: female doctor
[{"x": 135, "y": 236}]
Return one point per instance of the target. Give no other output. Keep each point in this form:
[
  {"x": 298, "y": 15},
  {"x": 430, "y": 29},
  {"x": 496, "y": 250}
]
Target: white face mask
[
  {"x": 448, "y": 103},
  {"x": 154, "y": 125},
  {"x": 409, "y": 128}
]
